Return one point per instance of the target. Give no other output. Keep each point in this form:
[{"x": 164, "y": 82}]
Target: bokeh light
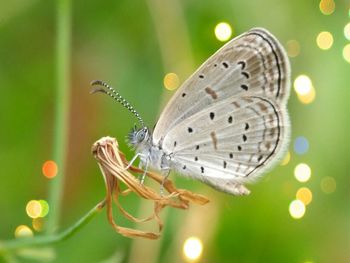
[
  {"x": 346, "y": 53},
  {"x": 38, "y": 224},
  {"x": 44, "y": 208},
  {"x": 324, "y": 40},
  {"x": 37, "y": 208},
  {"x": 33, "y": 209},
  {"x": 309, "y": 97},
  {"x": 50, "y": 169},
  {"x": 293, "y": 48},
  {"x": 302, "y": 85},
  {"x": 286, "y": 159},
  {"x": 223, "y": 31},
  {"x": 297, "y": 209},
  {"x": 23, "y": 231},
  {"x": 304, "y": 194},
  {"x": 301, "y": 145},
  {"x": 347, "y": 31},
  {"x": 302, "y": 172},
  {"x": 192, "y": 248},
  {"x": 304, "y": 89},
  {"x": 327, "y": 7},
  {"x": 328, "y": 185},
  {"x": 171, "y": 81}
]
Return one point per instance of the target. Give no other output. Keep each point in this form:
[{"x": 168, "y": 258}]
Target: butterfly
[{"x": 228, "y": 123}]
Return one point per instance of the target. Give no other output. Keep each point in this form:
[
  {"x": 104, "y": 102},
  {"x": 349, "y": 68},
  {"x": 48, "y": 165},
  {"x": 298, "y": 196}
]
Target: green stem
[
  {"x": 63, "y": 39},
  {"x": 10, "y": 245}
]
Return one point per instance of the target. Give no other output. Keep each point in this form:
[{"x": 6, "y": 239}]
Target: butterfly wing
[
  {"x": 231, "y": 142},
  {"x": 254, "y": 62},
  {"x": 228, "y": 123}
]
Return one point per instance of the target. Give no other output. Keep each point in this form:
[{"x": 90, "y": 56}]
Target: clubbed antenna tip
[
  {"x": 96, "y": 82},
  {"x": 97, "y": 89}
]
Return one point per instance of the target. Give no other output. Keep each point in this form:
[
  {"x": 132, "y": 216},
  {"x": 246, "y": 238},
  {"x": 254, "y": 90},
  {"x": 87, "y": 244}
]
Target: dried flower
[{"x": 112, "y": 163}]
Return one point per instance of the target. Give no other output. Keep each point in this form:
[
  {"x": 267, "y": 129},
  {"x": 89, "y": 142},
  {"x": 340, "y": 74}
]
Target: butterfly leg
[
  {"x": 140, "y": 177},
  {"x": 144, "y": 171},
  {"x": 166, "y": 175},
  {"x": 132, "y": 161}
]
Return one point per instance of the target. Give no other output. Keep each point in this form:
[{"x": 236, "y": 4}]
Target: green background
[{"x": 132, "y": 45}]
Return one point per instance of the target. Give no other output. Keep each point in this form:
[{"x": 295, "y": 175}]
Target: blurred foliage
[{"x": 123, "y": 42}]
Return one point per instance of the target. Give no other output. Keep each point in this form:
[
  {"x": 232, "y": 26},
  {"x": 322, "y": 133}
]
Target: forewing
[
  {"x": 236, "y": 140},
  {"x": 252, "y": 63}
]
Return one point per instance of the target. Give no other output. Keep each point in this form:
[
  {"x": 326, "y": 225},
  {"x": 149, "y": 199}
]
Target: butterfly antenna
[{"x": 115, "y": 95}]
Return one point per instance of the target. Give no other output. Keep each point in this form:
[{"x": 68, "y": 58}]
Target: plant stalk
[
  {"x": 63, "y": 39},
  {"x": 45, "y": 240}
]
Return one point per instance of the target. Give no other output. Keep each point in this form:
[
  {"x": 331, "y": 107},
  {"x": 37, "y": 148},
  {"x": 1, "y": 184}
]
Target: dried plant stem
[
  {"x": 61, "y": 109},
  {"x": 7, "y": 246}
]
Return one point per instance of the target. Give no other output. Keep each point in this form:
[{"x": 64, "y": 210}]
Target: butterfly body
[
  {"x": 228, "y": 123},
  {"x": 150, "y": 155}
]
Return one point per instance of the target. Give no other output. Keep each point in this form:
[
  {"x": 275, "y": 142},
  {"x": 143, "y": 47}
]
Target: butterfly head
[{"x": 138, "y": 137}]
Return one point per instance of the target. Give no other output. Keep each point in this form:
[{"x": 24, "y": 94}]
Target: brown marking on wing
[
  {"x": 249, "y": 100},
  {"x": 272, "y": 132},
  {"x": 237, "y": 105},
  {"x": 211, "y": 92},
  {"x": 214, "y": 139},
  {"x": 262, "y": 106}
]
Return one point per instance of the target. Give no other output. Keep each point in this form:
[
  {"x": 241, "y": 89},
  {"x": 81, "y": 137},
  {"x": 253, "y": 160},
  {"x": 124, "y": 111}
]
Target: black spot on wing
[
  {"x": 245, "y": 74},
  {"x": 212, "y": 115},
  {"x": 242, "y": 64},
  {"x": 245, "y": 87}
]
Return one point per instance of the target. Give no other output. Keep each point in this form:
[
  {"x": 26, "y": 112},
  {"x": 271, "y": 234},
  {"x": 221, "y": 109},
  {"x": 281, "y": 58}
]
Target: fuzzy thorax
[{"x": 150, "y": 155}]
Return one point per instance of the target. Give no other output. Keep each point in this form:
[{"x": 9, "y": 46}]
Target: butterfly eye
[{"x": 141, "y": 135}]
